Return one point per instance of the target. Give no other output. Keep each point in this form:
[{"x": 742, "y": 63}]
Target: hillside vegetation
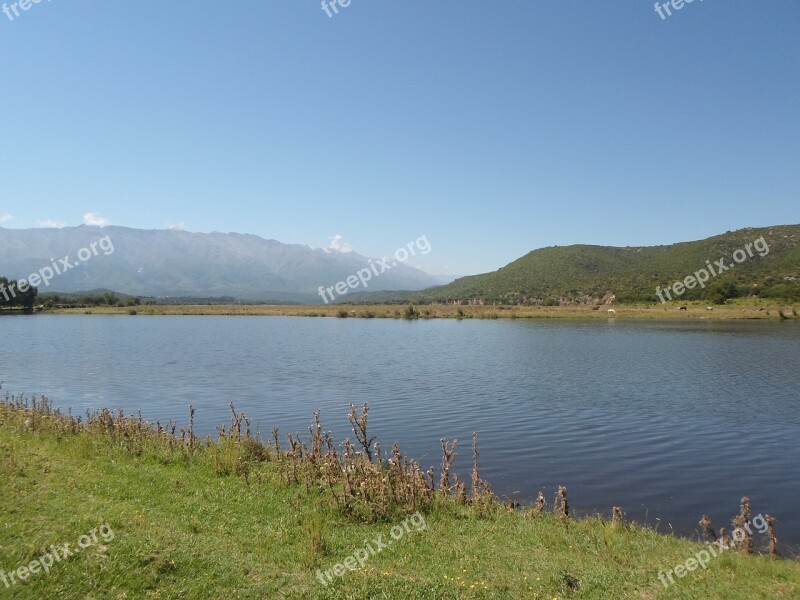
[{"x": 582, "y": 274}]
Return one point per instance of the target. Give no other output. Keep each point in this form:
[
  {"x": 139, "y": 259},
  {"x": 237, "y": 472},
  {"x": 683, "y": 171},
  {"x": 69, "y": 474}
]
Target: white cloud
[
  {"x": 95, "y": 220},
  {"x": 337, "y": 245},
  {"x": 177, "y": 227},
  {"x": 6, "y": 218},
  {"x": 50, "y": 224}
]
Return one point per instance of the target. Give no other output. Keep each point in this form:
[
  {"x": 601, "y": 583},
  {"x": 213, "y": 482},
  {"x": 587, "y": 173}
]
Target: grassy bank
[
  {"x": 744, "y": 309},
  {"x": 235, "y": 518}
]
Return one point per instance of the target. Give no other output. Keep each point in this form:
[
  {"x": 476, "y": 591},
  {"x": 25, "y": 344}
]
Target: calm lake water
[{"x": 670, "y": 420}]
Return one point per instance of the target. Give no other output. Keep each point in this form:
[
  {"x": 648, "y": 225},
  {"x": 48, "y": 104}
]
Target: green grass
[{"x": 183, "y": 531}]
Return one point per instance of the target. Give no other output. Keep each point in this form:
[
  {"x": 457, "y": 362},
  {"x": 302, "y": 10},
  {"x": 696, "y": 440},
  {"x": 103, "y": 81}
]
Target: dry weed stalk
[
  {"x": 560, "y": 504},
  {"x": 773, "y": 539},
  {"x": 742, "y": 523},
  {"x": 537, "y": 510},
  {"x": 448, "y": 456},
  {"x": 191, "y": 427},
  {"x": 461, "y": 491},
  {"x": 431, "y": 487},
  {"x": 476, "y": 479},
  {"x": 724, "y": 537},
  {"x": 482, "y": 496},
  {"x": 617, "y": 520},
  {"x": 747, "y": 540},
  {"x": 744, "y": 510},
  {"x": 316, "y": 437},
  {"x": 276, "y": 441},
  {"x": 705, "y": 523},
  {"x": 359, "y": 423}
]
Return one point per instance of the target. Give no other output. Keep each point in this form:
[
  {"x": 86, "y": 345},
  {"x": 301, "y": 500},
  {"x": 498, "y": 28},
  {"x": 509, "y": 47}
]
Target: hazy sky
[{"x": 493, "y": 128}]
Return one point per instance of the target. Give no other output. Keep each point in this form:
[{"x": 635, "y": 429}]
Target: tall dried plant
[
  {"x": 448, "y": 456},
  {"x": 617, "y": 520},
  {"x": 561, "y": 504},
  {"x": 359, "y": 423},
  {"x": 705, "y": 523},
  {"x": 773, "y": 539},
  {"x": 537, "y": 510}
]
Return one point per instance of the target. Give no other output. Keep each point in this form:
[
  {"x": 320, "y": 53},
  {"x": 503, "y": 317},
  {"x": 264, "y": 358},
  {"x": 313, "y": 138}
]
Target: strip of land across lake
[{"x": 744, "y": 310}]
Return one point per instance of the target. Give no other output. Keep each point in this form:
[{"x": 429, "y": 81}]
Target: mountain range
[{"x": 174, "y": 263}]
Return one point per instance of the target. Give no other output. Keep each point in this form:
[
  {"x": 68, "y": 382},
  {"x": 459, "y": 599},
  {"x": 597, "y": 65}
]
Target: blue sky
[{"x": 491, "y": 128}]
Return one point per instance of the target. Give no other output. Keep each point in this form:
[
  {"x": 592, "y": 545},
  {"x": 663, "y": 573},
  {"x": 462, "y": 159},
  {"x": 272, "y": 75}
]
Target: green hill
[{"x": 583, "y": 274}]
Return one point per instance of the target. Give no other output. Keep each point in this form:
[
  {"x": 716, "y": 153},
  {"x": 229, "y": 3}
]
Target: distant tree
[
  {"x": 11, "y": 296},
  {"x": 111, "y": 299},
  {"x": 720, "y": 292}
]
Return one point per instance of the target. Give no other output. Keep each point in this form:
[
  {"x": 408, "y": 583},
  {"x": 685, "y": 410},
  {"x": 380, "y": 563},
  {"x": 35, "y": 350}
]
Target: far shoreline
[{"x": 746, "y": 310}]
